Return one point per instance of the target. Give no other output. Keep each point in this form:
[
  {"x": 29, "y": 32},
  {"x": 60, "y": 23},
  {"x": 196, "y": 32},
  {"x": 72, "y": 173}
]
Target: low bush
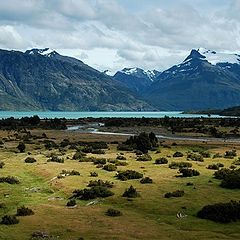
[
  {"x": 178, "y": 193},
  {"x": 215, "y": 166},
  {"x": 79, "y": 155},
  {"x": 217, "y": 155},
  {"x": 230, "y": 154},
  {"x": 56, "y": 159},
  {"x": 93, "y": 174},
  {"x": 138, "y": 152},
  {"x": 231, "y": 180},
  {"x": 91, "y": 193},
  {"x": 99, "y": 161},
  {"x": 124, "y": 147},
  {"x": 100, "y": 183},
  {"x": 178, "y": 154},
  {"x": 121, "y": 163},
  {"x": 129, "y": 174},
  {"x": 146, "y": 180},
  {"x": 24, "y": 211},
  {"x": 110, "y": 167},
  {"x": 144, "y": 158},
  {"x": 113, "y": 212},
  {"x": 205, "y": 154},
  {"x": 195, "y": 157},
  {"x": 176, "y": 165},
  {"x": 30, "y": 160},
  {"x": 120, "y": 157},
  {"x": 221, "y": 212},
  {"x": 222, "y": 173},
  {"x": 161, "y": 160},
  {"x": 70, "y": 173},
  {"x": 9, "y": 220},
  {"x": 236, "y": 162},
  {"x": 98, "y": 151},
  {"x": 9, "y": 180},
  {"x": 71, "y": 203},
  {"x": 187, "y": 172},
  {"x": 21, "y": 147},
  {"x": 1, "y": 164},
  {"x": 131, "y": 192}
]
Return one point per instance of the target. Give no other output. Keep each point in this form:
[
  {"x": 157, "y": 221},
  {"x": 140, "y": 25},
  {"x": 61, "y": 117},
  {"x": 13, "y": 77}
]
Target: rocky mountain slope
[
  {"x": 42, "y": 79},
  {"x": 204, "y": 80}
]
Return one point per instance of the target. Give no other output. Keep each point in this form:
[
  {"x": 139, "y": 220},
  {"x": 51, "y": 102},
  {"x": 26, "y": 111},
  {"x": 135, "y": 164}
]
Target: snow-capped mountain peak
[
  {"x": 214, "y": 57},
  {"x": 44, "y": 52}
]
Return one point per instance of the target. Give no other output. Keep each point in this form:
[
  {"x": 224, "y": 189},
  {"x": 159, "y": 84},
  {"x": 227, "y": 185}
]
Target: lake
[{"x": 76, "y": 115}]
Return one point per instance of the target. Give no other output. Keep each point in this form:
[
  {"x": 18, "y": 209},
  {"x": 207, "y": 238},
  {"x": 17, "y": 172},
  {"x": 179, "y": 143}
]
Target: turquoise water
[{"x": 76, "y": 115}]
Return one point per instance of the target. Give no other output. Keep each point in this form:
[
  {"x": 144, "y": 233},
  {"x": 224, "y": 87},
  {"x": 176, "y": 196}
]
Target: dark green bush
[
  {"x": 205, "y": 154},
  {"x": 221, "y": 212},
  {"x": 56, "y": 159},
  {"x": 231, "y": 180},
  {"x": 222, "y": 173},
  {"x": 93, "y": 174},
  {"x": 113, "y": 212},
  {"x": 79, "y": 155},
  {"x": 195, "y": 157},
  {"x": 215, "y": 166},
  {"x": 70, "y": 173},
  {"x": 110, "y": 167},
  {"x": 161, "y": 160},
  {"x": 24, "y": 211},
  {"x": 124, "y": 147},
  {"x": 93, "y": 192},
  {"x": 129, "y": 174},
  {"x": 176, "y": 165},
  {"x": 1, "y": 164},
  {"x": 98, "y": 151},
  {"x": 99, "y": 161},
  {"x": 9, "y": 220},
  {"x": 9, "y": 179},
  {"x": 100, "y": 183},
  {"x": 131, "y": 192},
  {"x": 178, "y": 154},
  {"x": 121, "y": 163},
  {"x": 21, "y": 147},
  {"x": 120, "y": 157},
  {"x": 30, "y": 160},
  {"x": 178, "y": 193},
  {"x": 144, "y": 158},
  {"x": 187, "y": 172},
  {"x": 146, "y": 180},
  {"x": 230, "y": 154},
  {"x": 71, "y": 203}
]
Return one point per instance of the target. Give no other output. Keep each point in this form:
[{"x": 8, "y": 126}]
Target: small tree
[{"x": 21, "y": 147}]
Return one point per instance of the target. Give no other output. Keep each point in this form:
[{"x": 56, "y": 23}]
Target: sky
[{"x": 113, "y": 34}]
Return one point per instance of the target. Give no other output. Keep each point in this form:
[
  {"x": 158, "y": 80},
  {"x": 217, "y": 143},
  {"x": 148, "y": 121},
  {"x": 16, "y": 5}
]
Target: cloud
[{"x": 149, "y": 34}]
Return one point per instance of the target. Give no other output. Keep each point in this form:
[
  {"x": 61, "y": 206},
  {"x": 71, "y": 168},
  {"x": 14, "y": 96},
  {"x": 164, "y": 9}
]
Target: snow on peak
[
  {"x": 129, "y": 71},
  {"x": 44, "y": 52},
  {"x": 214, "y": 57},
  {"x": 138, "y": 72}
]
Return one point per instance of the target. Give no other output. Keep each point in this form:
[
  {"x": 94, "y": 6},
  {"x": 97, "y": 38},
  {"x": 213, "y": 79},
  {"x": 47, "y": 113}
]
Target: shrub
[
  {"x": 230, "y": 154},
  {"x": 231, "y": 180},
  {"x": 56, "y": 159},
  {"x": 93, "y": 174},
  {"x": 30, "y": 160},
  {"x": 217, "y": 155},
  {"x": 79, "y": 155},
  {"x": 9, "y": 220},
  {"x": 178, "y": 193},
  {"x": 99, "y": 161},
  {"x": 9, "y": 179},
  {"x": 146, "y": 180},
  {"x": 24, "y": 211},
  {"x": 129, "y": 174},
  {"x": 1, "y": 164},
  {"x": 144, "y": 158},
  {"x": 120, "y": 157},
  {"x": 124, "y": 147},
  {"x": 98, "y": 151},
  {"x": 161, "y": 160},
  {"x": 138, "y": 152},
  {"x": 195, "y": 157},
  {"x": 187, "y": 172},
  {"x": 222, "y": 173},
  {"x": 176, "y": 165},
  {"x": 221, "y": 212},
  {"x": 215, "y": 166},
  {"x": 71, "y": 203},
  {"x": 21, "y": 147},
  {"x": 100, "y": 183},
  {"x": 70, "y": 173},
  {"x": 113, "y": 212},
  {"x": 236, "y": 162},
  {"x": 121, "y": 163},
  {"x": 178, "y": 154},
  {"x": 93, "y": 192},
  {"x": 110, "y": 167},
  {"x": 205, "y": 154},
  {"x": 131, "y": 192}
]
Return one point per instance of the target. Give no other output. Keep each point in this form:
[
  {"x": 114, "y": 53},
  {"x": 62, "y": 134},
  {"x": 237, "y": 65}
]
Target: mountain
[
  {"x": 136, "y": 79},
  {"x": 204, "y": 80},
  {"x": 42, "y": 79}
]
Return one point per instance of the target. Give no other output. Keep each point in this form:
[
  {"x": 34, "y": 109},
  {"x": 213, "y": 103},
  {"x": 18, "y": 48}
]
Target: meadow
[{"x": 43, "y": 189}]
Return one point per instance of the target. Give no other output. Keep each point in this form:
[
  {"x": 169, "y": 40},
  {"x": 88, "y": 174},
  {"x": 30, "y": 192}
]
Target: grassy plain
[{"x": 151, "y": 216}]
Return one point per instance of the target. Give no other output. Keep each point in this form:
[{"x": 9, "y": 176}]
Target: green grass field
[{"x": 151, "y": 216}]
